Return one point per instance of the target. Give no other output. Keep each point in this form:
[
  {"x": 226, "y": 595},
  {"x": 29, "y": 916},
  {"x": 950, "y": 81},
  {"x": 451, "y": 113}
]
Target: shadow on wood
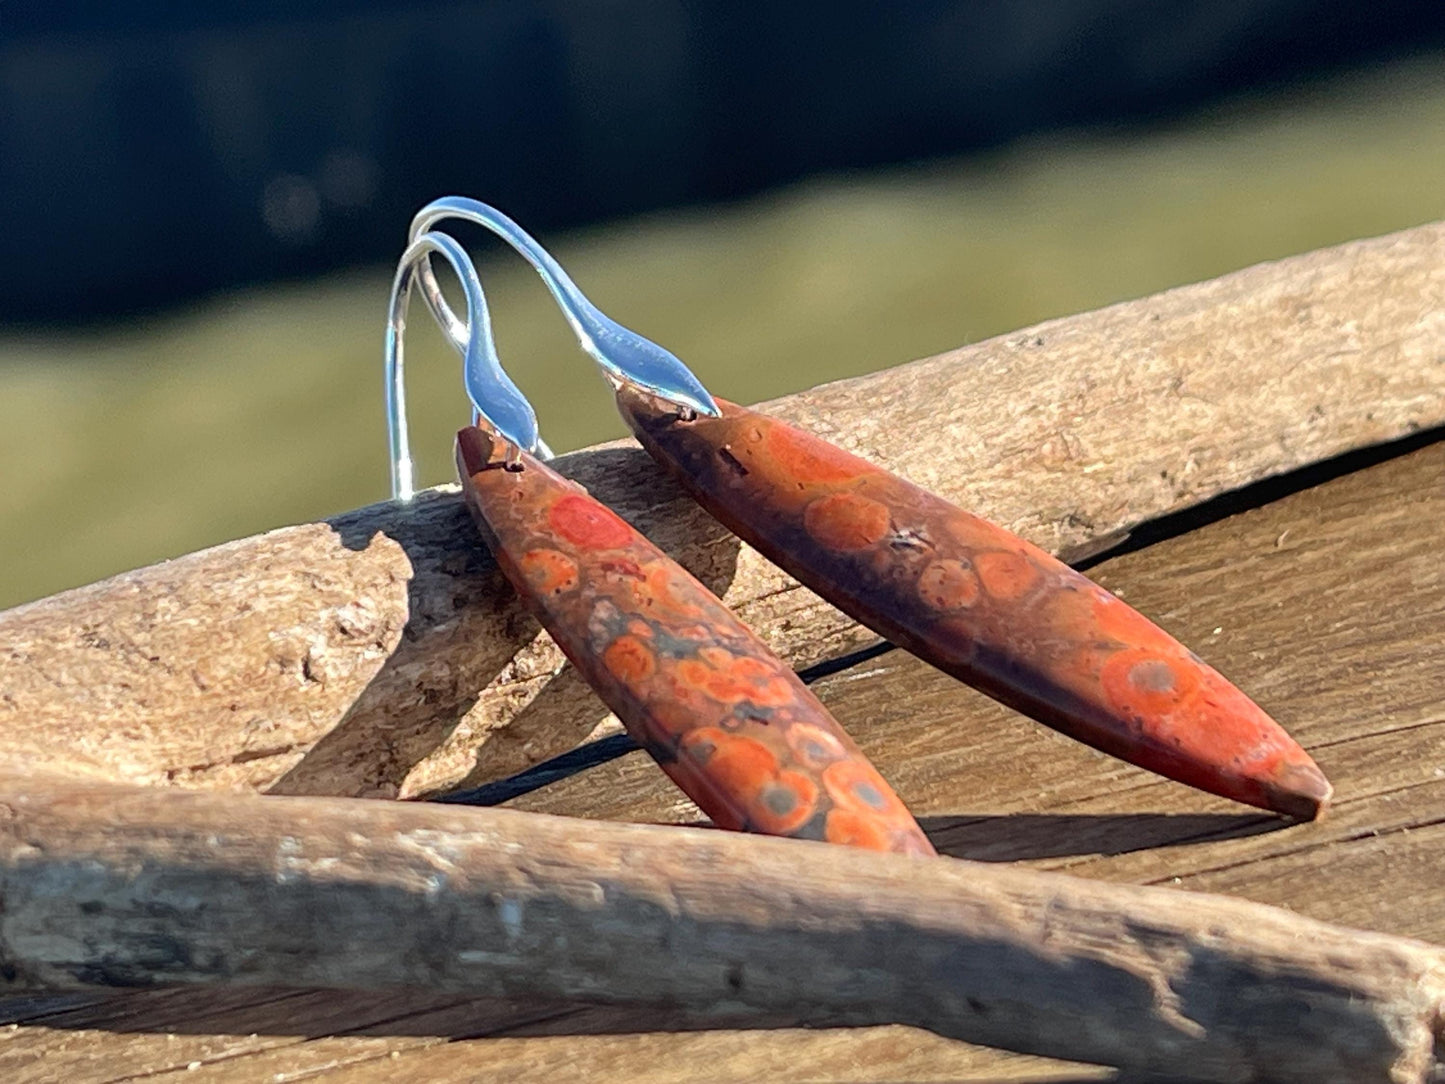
[
  {"x": 466, "y": 631},
  {"x": 1016, "y": 837}
]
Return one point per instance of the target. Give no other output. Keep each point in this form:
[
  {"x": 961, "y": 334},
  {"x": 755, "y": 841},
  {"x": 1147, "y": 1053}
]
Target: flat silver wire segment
[
  {"x": 624, "y": 355},
  {"x": 495, "y": 399}
]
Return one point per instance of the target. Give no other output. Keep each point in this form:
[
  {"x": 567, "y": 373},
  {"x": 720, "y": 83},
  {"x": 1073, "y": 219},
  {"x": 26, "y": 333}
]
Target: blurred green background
[{"x": 153, "y": 436}]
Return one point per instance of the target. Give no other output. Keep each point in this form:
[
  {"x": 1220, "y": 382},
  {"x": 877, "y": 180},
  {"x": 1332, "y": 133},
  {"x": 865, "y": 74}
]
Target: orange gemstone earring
[
  {"x": 961, "y": 593},
  {"x": 728, "y": 721}
]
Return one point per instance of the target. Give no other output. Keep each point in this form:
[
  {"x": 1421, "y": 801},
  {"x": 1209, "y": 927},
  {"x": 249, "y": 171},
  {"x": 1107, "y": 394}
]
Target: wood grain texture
[
  {"x": 1347, "y": 575},
  {"x": 113, "y": 885},
  {"x": 380, "y": 653}
]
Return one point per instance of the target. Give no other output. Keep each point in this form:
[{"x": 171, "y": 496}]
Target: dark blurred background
[
  {"x": 197, "y": 201},
  {"x": 187, "y": 148}
]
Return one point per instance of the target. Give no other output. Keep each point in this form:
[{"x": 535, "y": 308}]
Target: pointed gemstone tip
[{"x": 1301, "y": 791}]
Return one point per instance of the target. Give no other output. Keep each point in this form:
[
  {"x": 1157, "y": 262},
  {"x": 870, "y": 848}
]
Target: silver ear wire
[
  {"x": 495, "y": 399},
  {"x": 624, "y": 355}
]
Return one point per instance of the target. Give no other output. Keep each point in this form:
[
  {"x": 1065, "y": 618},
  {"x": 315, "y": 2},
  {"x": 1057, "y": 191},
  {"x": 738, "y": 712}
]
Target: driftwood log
[
  {"x": 208, "y": 888},
  {"x": 381, "y": 654}
]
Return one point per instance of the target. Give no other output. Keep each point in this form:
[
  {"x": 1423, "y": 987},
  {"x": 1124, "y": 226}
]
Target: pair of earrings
[{"x": 727, "y": 720}]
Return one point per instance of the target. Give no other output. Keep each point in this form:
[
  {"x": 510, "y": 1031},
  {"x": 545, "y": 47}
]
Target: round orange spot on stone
[
  {"x": 694, "y": 674},
  {"x": 809, "y": 460},
  {"x": 550, "y": 572},
  {"x": 701, "y": 745},
  {"x": 727, "y": 689},
  {"x": 813, "y": 746},
  {"x": 583, "y": 521},
  {"x": 856, "y": 830},
  {"x": 948, "y": 585},
  {"x": 668, "y": 590},
  {"x": 720, "y": 658},
  {"x": 731, "y": 679},
  {"x": 855, "y": 785},
  {"x": 784, "y": 804},
  {"x": 629, "y": 660},
  {"x": 736, "y": 766},
  {"x": 1007, "y": 575},
  {"x": 846, "y": 521},
  {"x": 1142, "y": 684},
  {"x": 765, "y": 690},
  {"x": 767, "y": 684}
]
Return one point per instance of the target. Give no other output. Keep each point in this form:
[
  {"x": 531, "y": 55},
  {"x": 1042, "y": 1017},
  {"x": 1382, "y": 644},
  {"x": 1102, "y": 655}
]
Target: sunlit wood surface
[{"x": 1328, "y": 606}]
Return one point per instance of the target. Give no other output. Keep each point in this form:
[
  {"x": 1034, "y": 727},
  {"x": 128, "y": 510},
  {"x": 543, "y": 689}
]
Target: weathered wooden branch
[
  {"x": 380, "y": 653},
  {"x": 113, "y": 885}
]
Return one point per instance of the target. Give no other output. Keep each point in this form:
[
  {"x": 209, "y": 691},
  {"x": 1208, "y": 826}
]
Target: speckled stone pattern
[
  {"x": 727, "y": 720},
  {"x": 980, "y": 603}
]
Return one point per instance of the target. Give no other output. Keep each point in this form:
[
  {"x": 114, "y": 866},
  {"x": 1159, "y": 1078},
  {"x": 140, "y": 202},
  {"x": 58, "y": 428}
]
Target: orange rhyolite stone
[
  {"x": 729, "y": 722},
  {"x": 978, "y": 602}
]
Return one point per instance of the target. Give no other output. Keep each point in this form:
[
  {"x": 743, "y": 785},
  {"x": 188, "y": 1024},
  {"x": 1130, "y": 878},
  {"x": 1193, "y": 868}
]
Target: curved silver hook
[
  {"x": 494, "y": 397},
  {"x": 624, "y": 355}
]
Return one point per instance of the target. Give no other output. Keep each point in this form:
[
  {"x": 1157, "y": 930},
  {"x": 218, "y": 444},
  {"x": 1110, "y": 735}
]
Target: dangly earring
[
  {"x": 965, "y": 595},
  {"x": 727, "y": 720}
]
